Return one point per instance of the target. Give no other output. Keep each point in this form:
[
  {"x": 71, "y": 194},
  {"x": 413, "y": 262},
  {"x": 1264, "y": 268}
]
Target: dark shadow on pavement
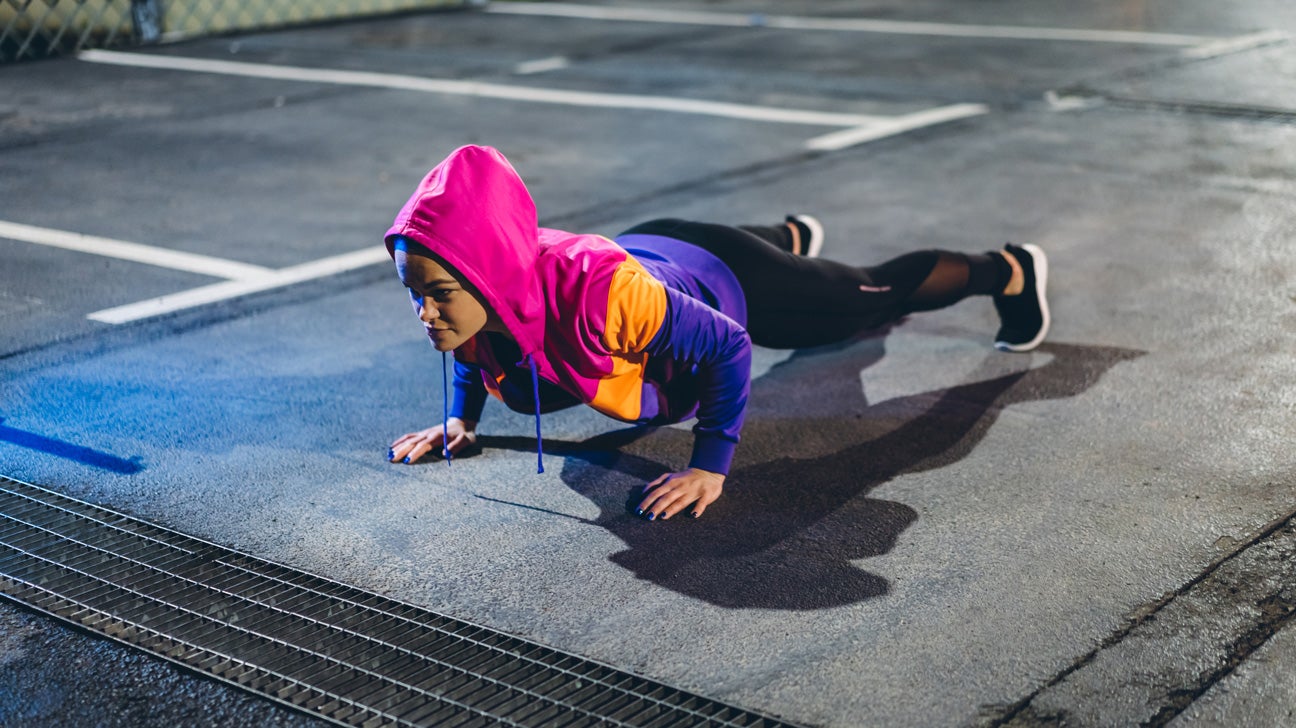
[{"x": 758, "y": 546}]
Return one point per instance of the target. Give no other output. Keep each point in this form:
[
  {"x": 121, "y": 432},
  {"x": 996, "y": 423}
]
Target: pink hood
[
  {"x": 474, "y": 211},
  {"x": 549, "y": 287}
]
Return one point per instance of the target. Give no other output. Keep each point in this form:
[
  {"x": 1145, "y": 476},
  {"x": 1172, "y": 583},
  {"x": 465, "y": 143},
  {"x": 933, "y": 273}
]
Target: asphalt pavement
[{"x": 198, "y": 327}]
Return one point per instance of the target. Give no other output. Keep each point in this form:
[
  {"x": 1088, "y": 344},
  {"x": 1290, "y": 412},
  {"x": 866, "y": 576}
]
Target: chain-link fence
[{"x": 38, "y": 28}]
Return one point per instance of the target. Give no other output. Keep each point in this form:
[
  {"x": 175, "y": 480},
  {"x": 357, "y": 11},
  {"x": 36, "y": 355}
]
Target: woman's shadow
[{"x": 754, "y": 548}]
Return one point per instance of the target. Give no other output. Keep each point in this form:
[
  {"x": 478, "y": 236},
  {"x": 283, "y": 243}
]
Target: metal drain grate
[{"x": 326, "y": 648}]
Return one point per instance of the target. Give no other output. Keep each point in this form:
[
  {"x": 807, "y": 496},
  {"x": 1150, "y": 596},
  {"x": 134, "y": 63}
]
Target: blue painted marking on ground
[{"x": 59, "y": 448}]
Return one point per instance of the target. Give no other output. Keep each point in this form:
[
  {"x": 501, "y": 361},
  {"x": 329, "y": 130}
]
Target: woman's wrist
[
  {"x": 469, "y": 425},
  {"x": 717, "y": 476}
]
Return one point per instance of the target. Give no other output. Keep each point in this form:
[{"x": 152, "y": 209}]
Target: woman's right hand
[{"x": 412, "y": 447}]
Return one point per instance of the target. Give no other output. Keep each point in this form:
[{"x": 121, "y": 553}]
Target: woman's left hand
[{"x": 673, "y": 492}]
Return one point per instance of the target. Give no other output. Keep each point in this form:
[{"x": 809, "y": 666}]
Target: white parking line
[
  {"x": 1060, "y": 103},
  {"x": 1226, "y": 46},
  {"x": 162, "y": 257},
  {"x": 894, "y": 126},
  {"x": 856, "y": 25},
  {"x": 241, "y": 278},
  {"x": 541, "y": 65},
  {"x": 233, "y": 289},
  {"x": 863, "y": 127},
  {"x": 480, "y": 89}
]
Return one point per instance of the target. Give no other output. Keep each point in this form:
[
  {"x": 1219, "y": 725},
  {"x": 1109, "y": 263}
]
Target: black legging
[{"x": 795, "y": 302}]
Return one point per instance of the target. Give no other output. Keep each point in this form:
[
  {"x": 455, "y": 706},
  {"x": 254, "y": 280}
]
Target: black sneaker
[
  {"x": 811, "y": 234},
  {"x": 1024, "y": 318}
]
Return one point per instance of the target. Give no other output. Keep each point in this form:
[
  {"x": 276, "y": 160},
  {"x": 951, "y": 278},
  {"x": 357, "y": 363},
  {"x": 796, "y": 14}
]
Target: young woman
[{"x": 657, "y": 326}]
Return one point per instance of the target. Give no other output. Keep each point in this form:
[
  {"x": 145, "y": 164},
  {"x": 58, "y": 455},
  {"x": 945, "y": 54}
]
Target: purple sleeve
[
  {"x": 469, "y": 393},
  {"x": 694, "y": 334}
]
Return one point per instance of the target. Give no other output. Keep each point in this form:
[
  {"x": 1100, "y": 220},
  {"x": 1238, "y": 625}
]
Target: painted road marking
[
  {"x": 1058, "y": 102},
  {"x": 856, "y": 25},
  {"x": 1241, "y": 43},
  {"x": 541, "y": 65},
  {"x": 241, "y": 278},
  {"x": 862, "y": 127},
  {"x": 235, "y": 288},
  {"x": 135, "y": 252},
  {"x": 894, "y": 126},
  {"x": 482, "y": 89}
]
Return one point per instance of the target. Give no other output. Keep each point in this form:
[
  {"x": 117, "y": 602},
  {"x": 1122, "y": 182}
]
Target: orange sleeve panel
[{"x": 636, "y": 310}]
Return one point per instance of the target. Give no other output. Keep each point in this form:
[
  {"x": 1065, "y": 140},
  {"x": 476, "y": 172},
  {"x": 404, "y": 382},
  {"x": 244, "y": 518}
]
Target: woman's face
[{"x": 451, "y": 314}]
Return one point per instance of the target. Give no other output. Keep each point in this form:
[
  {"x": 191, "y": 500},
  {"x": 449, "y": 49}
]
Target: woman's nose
[{"x": 428, "y": 312}]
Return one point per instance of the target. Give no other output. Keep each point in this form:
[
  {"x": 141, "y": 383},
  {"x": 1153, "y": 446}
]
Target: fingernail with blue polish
[
  {"x": 651, "y": 516},
  {"x": 694, "y": 514},
  {"x": 638, "y": 511},
  {"x": 406, "y": 460},
  {"x": 391, "y": 454}
]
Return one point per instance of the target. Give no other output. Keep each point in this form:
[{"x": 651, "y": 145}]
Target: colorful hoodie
[{"x": 656, "y": 337}]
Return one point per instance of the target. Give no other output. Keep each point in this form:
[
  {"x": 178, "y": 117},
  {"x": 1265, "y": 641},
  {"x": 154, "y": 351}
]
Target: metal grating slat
[{"x": 322, "y": 647}]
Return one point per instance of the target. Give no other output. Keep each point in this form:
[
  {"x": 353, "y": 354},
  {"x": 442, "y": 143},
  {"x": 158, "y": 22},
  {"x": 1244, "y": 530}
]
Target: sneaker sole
[
  {"x": 1040, "y": 263},
  {"x": 816, "y": 234}
]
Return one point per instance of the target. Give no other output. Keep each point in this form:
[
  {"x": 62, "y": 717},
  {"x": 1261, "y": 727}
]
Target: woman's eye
[{"x": 439, "y": 294}]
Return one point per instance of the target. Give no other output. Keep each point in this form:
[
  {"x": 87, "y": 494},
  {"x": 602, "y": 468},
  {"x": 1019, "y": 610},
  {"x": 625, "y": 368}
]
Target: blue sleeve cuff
[
  {"x": 469, "y": 397},
  {"x": 712, "y": 452}
]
